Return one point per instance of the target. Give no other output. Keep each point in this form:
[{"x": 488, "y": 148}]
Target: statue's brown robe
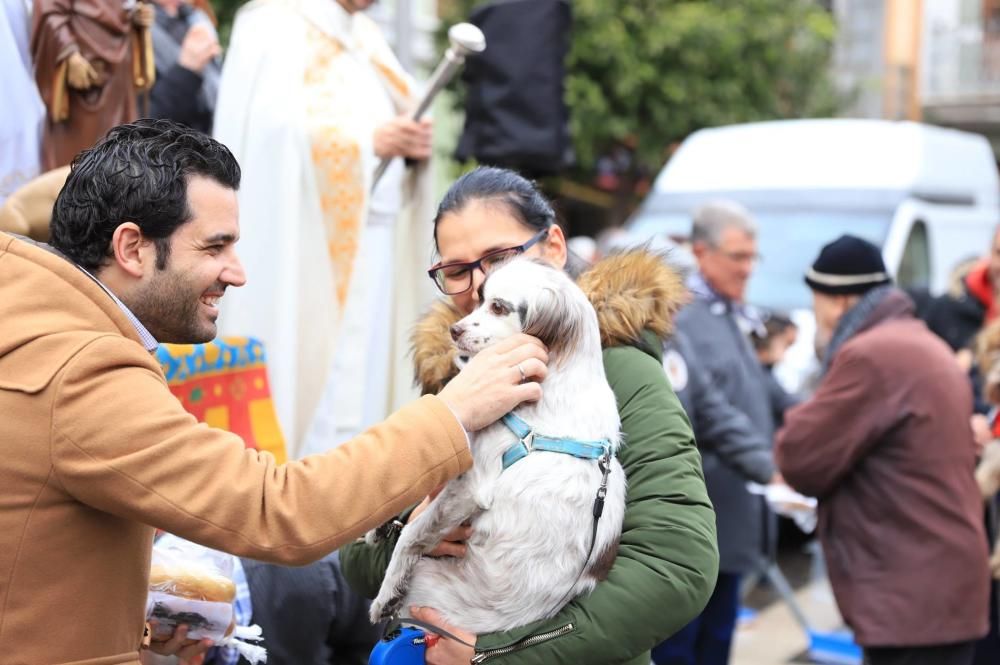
[{"x": 101, "y": 31}]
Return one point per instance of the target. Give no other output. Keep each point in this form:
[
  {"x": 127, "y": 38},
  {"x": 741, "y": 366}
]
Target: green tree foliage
[
  {"x": 650, "y": 72},
  {"x": 225, "y": 11}
]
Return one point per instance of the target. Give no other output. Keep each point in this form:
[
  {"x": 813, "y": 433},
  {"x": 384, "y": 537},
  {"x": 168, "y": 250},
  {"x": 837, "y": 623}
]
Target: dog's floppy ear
[{"x": 554, "y": 319}]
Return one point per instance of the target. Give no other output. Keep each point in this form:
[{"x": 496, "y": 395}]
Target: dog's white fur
[{"x": 532, "y": 523}]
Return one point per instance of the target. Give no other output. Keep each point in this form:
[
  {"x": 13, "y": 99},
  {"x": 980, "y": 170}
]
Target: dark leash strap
[
  {"x": 604, "y": 464},
  {"x": 395, "y": 623}
]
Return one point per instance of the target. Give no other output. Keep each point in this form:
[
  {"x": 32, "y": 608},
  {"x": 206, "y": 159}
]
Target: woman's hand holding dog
[
  {"x": 491, "y": 384},
  {"x": 454, "y": 543}
]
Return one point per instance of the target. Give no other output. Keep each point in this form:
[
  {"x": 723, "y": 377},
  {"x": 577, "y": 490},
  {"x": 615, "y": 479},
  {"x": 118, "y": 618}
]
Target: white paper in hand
[{"x": 787, "y": 502}]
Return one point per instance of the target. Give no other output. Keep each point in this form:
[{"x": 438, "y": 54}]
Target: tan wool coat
[{"x": 97, "y": 453}]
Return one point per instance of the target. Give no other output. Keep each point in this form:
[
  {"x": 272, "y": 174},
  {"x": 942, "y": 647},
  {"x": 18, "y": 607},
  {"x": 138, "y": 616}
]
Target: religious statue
[{"x": 92, "y": 57}]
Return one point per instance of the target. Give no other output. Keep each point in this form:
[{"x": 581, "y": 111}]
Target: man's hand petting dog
[
  {"x": 496, "y": 380},
  {"x": 441, "y": 650}
]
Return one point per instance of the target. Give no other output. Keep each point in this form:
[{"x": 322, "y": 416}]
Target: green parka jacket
[{"x": 668, "y": 558}]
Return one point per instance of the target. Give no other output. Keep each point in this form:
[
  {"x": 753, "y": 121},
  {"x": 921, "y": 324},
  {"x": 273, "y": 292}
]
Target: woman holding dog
[{"x": 667, "y": 560}]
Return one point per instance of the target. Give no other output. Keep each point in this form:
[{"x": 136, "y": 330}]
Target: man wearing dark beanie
[{"x": 886, "y": 447}]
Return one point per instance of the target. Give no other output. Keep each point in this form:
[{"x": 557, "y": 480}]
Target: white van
[{"x": 927, "y": 196}]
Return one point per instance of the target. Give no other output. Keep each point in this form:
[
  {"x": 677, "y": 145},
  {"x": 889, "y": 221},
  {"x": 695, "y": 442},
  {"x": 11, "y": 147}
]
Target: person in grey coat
[
  {"x": 728, "y": 398},
  {"x": 186, "y": 53},
  {"x": 726, "y": 436}
]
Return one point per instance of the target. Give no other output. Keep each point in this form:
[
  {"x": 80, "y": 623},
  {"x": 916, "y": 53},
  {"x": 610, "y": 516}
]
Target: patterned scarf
[{"x": 852, "y": 321}]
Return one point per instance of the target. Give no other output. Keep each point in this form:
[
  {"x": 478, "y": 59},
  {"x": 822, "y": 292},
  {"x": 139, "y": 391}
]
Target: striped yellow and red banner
[{"x": 224, "y": 383}]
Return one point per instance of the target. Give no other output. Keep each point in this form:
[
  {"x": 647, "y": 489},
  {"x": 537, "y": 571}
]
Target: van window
[{"x": 915, "y": 265}]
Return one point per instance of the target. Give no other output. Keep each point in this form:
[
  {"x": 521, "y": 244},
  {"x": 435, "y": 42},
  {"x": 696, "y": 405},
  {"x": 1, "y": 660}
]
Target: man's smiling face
[{"x": 179, "y": 302}]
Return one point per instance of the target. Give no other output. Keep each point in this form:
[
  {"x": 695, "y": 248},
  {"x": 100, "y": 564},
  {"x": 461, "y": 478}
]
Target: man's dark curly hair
[{"x": 137, "y": 173}]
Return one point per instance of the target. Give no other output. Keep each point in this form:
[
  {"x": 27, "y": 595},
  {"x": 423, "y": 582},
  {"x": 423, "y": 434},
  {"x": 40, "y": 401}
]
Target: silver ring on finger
[{"x": 520, "y": 369}]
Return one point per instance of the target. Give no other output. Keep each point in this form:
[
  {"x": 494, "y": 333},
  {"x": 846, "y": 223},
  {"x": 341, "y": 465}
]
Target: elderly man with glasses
[{"x": 716, "y": 326}]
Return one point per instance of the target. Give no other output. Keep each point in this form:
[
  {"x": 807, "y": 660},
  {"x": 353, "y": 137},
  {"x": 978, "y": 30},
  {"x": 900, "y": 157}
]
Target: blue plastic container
[
  {"x": 836, "y": 648},
  {"x": 402, "y": 647}
]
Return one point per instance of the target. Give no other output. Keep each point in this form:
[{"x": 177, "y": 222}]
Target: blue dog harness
[{"x": 529, "y": 441}]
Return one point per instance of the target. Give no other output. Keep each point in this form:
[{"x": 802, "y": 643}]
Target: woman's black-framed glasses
[{"x": 456, "y": 278}]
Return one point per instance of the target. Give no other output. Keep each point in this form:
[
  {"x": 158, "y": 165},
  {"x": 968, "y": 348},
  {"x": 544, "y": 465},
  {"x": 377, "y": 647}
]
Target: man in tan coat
[{"x": 97, "y": 452}]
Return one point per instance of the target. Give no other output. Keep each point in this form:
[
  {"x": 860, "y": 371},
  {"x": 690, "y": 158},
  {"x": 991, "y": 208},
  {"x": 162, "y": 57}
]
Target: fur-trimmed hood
[{"x": 632, "y": 292}]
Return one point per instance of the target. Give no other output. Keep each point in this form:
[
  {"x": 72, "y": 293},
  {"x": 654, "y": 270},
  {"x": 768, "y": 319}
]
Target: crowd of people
[{"x": 134, "y": 227}]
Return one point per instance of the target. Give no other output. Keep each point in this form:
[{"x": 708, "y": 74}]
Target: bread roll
[{"x": 192, "y": 582}]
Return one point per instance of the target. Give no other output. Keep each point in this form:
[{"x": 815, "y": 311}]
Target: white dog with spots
[{"x": 535, "y": 543}]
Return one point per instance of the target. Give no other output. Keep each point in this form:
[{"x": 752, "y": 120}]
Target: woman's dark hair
[
  {"x": 512, "y": 190},
  {"x": 137, "y": 173}
]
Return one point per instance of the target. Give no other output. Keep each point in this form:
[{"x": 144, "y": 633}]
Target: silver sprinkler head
[{"x": 466, "y": 38}]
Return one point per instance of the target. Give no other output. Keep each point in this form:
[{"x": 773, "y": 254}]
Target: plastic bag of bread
[{"x": 193, "y": 585}]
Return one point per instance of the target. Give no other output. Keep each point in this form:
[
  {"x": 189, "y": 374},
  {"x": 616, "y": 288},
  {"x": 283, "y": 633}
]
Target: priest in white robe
[{"x": 311, "y": 98}]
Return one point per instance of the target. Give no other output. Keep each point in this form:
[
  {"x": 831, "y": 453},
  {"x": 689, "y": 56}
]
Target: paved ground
[{"x": 772, "y": 636}]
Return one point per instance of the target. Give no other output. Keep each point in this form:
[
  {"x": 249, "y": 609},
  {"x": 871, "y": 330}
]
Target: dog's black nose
[{"x": 456, "y": 331}]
